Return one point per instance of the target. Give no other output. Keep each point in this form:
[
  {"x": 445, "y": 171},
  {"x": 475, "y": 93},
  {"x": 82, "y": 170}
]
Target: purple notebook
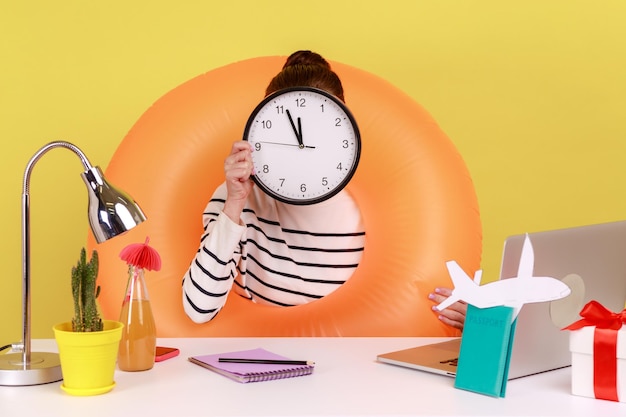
[{"x": 251, "y": 372}]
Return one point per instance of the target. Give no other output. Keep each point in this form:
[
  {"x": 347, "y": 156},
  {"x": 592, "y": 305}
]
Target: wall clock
[{"x": 306, "y": 145}]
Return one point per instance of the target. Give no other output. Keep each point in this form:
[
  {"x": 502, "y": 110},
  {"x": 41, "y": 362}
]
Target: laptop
[{"x": 591, "y": 260}]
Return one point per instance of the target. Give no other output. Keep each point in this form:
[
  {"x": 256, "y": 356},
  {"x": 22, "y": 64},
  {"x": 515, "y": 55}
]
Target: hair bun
[
  {"x": 306, "y": 69},
  {"x": 306, "y": 58}
]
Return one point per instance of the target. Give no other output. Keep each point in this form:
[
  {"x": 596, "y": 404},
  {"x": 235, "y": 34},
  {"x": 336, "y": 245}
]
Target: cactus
[{"x": 84, "y": 290}]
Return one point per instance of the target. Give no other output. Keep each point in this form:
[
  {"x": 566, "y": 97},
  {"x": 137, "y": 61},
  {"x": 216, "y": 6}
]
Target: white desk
[{"x": 347, "y": 382}]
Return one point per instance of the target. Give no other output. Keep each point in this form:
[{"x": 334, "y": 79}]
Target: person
[{"x": 271, "y": 252}]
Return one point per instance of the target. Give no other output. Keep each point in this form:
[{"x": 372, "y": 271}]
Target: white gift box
[{"x": 581, "y": 347}]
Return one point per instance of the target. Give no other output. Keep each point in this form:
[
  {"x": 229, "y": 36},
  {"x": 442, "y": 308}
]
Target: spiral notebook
[{"x": 251, "y": 372}]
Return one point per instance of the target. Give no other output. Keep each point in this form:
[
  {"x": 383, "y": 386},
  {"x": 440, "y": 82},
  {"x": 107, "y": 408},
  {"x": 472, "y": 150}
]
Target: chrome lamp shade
[{"x": 111, "y": 212}]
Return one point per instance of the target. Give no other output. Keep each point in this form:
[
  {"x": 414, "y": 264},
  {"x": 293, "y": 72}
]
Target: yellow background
[{"x": 533, "y": 94}]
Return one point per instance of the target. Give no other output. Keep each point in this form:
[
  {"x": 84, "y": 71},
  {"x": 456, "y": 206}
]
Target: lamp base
[{"x": 43, "y": 368}]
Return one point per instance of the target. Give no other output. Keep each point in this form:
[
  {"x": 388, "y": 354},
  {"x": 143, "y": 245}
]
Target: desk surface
[{"x": 347, "y": 381}]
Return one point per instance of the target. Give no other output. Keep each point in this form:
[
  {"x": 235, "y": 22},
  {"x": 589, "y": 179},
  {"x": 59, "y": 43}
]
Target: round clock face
[{"x": 306, "y": 145}]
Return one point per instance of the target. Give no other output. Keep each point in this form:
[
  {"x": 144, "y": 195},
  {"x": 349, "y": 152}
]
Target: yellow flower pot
[{"x": 88, "y": 359}]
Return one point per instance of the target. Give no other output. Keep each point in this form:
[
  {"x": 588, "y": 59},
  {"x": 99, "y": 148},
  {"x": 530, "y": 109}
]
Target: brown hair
[{"x": 306, "y": 69}]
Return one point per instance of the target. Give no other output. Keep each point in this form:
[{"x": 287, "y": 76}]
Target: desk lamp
[{"x": 111, "y": 212}]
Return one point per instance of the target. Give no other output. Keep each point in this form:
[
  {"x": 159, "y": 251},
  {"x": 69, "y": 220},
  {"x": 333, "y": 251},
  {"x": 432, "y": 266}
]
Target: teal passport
[{"x": 486, "y": 345}]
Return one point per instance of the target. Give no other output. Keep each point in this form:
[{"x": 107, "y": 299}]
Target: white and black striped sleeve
[{"x": 212, "y": 271}]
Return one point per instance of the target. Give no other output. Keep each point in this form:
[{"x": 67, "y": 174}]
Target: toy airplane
[{"x": 513, "y": 292}]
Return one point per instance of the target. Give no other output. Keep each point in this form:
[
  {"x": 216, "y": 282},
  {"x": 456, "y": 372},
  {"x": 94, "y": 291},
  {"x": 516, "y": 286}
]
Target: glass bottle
[{"x": 138, "y": 344}]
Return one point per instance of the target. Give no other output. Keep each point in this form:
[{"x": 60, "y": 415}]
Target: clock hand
[
  {"x": 284, "y": 144},
  {"x": 296, "y": 131},
  {"x": 300, "y": 138}
]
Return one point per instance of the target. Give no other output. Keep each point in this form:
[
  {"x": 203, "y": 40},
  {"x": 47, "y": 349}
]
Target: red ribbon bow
[
  {"x": 595, "y": 314},
  {"x": 604, "y": 346}
]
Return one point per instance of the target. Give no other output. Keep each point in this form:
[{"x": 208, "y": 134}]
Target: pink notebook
[{"x": 251, "y": 372}]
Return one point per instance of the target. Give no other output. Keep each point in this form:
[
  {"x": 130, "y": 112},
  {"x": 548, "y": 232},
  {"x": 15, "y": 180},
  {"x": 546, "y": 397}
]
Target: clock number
[
  {"x": 303, "y": 188},
  {"x": 300, "y": 102},
  {"x": 324, "y": 181},
  {"x": 267, "y": 124},
  {"x": 282, "y": 181},
  {"x": 345, "y": 143},
  {"x": 280, "y": 109},
  {"x": 338, "y": 122},
  {"x": 322, "y": 107},
  {"x": 257, "y": 146},
  {"x": 266, "y": 169},
  {"x": 339, "y": 167}
]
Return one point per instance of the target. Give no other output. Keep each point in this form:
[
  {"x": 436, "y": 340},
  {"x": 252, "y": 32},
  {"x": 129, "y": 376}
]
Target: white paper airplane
[{"x": 511, "y": 292}]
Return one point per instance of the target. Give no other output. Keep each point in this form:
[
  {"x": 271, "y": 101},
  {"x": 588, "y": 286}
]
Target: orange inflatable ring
[{"x": 412, "y": 186}]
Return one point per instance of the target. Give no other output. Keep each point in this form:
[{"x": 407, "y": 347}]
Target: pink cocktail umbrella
[{"x": 142, "y": 255}]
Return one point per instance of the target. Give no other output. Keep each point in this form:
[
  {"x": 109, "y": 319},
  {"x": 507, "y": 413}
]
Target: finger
[
  {"x": 446, "y": 292},
  {"x": 454, "y": 313},
  {"x": 242, "y": 155},
  {"x": 240, "y": 151},
  {"x": 236, "y": 163},
  {"x": 241, "y": 145},
  {"x": 239, "y": 171},
  {"x": 436, "y": 297},
  {"x": 450, "y": 322},
  {"x": 459, "y": 307}
]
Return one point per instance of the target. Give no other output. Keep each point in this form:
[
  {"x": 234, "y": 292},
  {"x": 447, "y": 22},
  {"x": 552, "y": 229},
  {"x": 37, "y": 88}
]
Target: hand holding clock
[{"x": 238, "y": 169}]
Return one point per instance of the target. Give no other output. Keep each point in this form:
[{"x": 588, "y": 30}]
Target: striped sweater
[{"x": 279, "y": 254}]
